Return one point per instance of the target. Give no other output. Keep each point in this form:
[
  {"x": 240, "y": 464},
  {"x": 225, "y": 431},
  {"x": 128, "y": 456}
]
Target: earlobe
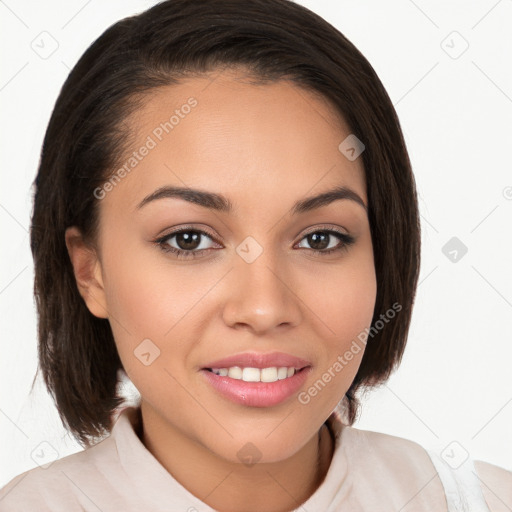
[{"x": 88, "y": 272}]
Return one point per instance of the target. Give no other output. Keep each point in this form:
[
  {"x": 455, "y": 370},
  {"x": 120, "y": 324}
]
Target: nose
[{"x": 260, "y": 296}]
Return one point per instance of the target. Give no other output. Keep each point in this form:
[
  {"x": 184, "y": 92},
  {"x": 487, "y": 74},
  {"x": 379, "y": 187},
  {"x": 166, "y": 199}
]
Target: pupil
[
  {"x": 187, "y": 240},
  {"x": 314, "y": 238}
]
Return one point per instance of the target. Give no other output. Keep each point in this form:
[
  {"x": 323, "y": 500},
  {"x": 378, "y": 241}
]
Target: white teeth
[
  {"x": 251, "y": 374},
  {"x": 268, "y": 374},
  {"x": 271, "y": 374},
  {"x": 235, "y": 372},
  {"x": 282, "y": 373}
]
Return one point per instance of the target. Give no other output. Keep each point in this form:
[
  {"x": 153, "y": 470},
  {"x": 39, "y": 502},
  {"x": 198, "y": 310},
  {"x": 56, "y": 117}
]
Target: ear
[{"x": 88, "y": 272}]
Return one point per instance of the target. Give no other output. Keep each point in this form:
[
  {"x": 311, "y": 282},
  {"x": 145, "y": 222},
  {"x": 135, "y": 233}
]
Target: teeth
[
  {"x": 269, "y": 374},
  {"x": 235, "y": 372},
  {"x": 282, "y": 373},
  {"x": 255, "y": 374}
]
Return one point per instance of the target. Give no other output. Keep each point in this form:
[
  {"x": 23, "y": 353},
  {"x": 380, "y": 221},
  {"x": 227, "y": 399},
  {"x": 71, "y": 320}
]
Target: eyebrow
[{"x": 220, "y": 203}]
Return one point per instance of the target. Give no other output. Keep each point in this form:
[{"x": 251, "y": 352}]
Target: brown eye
[
  {"x": 318, "y": 240},
  {"x": 185, "y": 243},
  {"x": 188, "y": 240},
  {"x": 324, "y": 241}
]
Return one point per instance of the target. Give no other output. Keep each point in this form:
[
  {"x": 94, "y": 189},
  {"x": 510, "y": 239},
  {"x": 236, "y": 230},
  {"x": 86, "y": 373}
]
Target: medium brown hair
[{"x": 87, "y": 134}]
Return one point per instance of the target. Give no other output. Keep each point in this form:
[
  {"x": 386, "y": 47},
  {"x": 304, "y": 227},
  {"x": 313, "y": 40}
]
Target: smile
[
  {"x": 271, "y": 374},
  {"x": 256, "y": 393}
]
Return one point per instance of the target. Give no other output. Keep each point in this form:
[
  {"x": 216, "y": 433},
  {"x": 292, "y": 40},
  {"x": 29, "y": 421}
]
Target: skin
[{"x": 264, "y": 147}]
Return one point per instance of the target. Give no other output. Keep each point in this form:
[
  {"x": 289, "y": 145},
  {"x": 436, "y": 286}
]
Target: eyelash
[{"x": 347, "y": 241}]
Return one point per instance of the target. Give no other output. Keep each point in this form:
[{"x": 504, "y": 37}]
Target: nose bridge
[{"x": 261, "y": 296}]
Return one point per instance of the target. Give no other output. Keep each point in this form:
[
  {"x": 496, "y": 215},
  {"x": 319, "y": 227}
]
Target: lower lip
[{"x": 257, "y": 394}]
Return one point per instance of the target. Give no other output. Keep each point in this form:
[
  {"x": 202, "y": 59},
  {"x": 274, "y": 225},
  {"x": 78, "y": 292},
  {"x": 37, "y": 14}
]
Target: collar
[{"x": 136, "y": 461}]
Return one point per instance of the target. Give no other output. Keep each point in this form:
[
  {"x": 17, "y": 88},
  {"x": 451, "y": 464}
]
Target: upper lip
[{"x": 259, "y": 360}]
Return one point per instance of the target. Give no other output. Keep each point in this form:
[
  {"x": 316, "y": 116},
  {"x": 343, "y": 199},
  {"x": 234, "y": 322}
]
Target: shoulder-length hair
[{"x": 87, "y": 134}]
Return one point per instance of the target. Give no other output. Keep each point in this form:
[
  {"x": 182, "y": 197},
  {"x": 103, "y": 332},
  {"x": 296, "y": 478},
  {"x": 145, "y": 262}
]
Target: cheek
[
  {"x": 345, "y": 305},
  {"x": 343, "y": 296},
  {"x": 151, "y": 298},
  {"x": 146, "y": 293},
  {"x": 144, "y": 300},
  {"x": 352, "y": 301},
  {"x": 345, "y": 302}
]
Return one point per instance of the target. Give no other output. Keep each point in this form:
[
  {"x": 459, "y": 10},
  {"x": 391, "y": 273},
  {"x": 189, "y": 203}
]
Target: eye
[
  {"x": 321, "y": 239},
  {"x": 189, "y": 242},
  {"x": 192, "y": 243}
]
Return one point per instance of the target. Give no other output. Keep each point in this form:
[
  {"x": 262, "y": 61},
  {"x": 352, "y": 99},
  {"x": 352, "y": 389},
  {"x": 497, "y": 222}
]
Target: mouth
[
  {"x": 250, "y": 374},
  {"x": 256, "y": 387}
]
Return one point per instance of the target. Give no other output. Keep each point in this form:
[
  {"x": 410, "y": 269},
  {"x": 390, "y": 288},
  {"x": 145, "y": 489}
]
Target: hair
[{"x": 88, "y": 133}]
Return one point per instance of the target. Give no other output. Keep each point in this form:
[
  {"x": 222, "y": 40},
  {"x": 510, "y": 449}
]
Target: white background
[{"x": 455, "y": 381}]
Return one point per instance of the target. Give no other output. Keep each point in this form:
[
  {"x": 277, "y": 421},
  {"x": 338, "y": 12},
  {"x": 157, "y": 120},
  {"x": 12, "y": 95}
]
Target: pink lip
[
  {"x": 256, "y": 360},
  {"x": 257, "y": 394}
]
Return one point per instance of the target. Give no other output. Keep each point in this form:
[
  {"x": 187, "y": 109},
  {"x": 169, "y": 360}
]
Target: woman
[{"x": 225, "y": 211}]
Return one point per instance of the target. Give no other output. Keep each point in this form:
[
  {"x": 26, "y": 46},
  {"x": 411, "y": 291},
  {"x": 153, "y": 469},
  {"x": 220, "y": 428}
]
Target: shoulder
[
  {"x": 400, "y": 469},
  {"x": 410, "y": 463},
  {"x": 395, "y": 452},
  {"x": 58, "y": 486},
  {"x": 496, "y": 485}
]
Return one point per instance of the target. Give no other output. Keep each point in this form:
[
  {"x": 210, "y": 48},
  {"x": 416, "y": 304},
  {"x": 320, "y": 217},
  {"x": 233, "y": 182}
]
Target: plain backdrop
[{"x": 447, "y": 69}]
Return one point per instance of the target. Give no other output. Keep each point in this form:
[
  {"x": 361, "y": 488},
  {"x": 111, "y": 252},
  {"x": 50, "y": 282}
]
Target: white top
[{"x": 369, "y": 471}]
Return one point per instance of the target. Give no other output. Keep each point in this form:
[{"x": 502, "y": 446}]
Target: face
[{"x": 259, "y": 278}]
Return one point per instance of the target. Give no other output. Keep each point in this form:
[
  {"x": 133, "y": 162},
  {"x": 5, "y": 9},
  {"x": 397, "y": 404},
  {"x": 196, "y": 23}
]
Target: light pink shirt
[{"x": 369, "y": 471}]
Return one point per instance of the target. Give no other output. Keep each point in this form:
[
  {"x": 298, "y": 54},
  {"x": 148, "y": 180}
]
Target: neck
[{"x": 228, "y": 486}]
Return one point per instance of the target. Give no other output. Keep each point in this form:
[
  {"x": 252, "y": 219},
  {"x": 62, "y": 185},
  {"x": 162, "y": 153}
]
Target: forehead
[{"x": 222, "y": 133}]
